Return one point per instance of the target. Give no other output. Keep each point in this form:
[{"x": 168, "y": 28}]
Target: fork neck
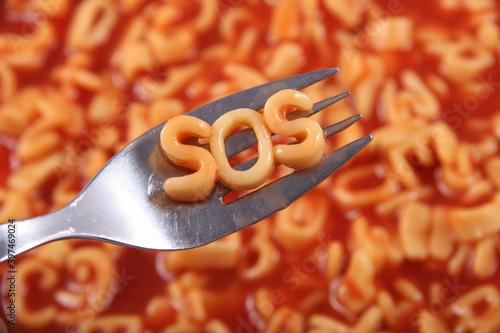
[{"x": 20, "y": 236}]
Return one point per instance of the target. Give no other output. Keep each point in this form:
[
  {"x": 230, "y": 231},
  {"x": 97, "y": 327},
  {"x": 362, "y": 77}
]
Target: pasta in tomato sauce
[
  {"x": 405, "y": 238},
  {"x": 309, "y": 151},
  {"x": 198, "y": 185}
]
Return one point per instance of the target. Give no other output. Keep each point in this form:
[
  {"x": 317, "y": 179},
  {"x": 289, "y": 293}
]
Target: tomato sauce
[{"x": 297, "y": 274}]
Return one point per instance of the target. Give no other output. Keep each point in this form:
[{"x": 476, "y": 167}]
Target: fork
[{"x": 125, "y": 202}]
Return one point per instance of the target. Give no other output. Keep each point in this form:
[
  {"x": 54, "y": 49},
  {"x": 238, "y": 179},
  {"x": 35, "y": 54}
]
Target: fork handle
[{"x": 20, "y": 236}]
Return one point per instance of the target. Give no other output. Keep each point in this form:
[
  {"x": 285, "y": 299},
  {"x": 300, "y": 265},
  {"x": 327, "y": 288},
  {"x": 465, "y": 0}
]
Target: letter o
[{"x": 257, "y": 174}]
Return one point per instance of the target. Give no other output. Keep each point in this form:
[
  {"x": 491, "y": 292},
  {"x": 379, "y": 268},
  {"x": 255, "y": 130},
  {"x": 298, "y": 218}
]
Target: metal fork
[{"x": 125, "y": 202}]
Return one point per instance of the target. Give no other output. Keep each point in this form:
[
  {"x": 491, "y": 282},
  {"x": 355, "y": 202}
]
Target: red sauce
[
  {"x": 4, "y": 163},
  {"x": 297, "y": 273}
]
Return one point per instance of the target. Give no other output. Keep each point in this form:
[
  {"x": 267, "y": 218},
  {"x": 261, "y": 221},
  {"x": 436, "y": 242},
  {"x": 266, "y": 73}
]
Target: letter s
[
  {"x": 309, "y": 151},
  {"x": 199, "y": 184}
]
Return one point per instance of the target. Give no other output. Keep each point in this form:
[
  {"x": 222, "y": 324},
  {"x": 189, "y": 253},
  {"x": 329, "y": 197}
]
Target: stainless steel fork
[{"x": 125, "y": 202}]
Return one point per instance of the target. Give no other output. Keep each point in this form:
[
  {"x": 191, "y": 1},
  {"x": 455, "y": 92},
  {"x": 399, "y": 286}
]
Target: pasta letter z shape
[
  {"x": 309, "y": 151},
  {"x": 198, "y": 185}
]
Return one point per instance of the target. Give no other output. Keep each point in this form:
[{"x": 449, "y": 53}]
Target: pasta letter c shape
[
  {"x": 257, "y": 174},
  {"x": 196, "y": 186},
  {"x": 302, "y": 155}
]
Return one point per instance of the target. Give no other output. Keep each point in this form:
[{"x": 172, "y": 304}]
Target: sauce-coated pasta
[
  {"x": 198, "y": 185},
  {"x": 310, "y": 150},
  {"x": 262, "y": 169},
  {"x": 405, "y": 238}
]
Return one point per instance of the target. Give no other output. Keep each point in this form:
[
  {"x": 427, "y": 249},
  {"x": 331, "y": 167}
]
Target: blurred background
[{"x": 404, "y": 238}]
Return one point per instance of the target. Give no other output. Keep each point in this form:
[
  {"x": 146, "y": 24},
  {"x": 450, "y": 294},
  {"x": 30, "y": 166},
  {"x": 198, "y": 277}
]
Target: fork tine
[
  {"x": 341, "y": 125},
  {"x": 329, "y": 131},
  {"x": 318, "y": 106},
  {"x": 255, "y": 98},
  {"x": 279, "y": 194},
  {"x": 246, "y": 139}
]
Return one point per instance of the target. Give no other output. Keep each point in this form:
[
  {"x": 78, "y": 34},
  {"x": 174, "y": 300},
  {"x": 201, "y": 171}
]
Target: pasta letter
[
  {"x": 257, "y": 174},
  {"x": 196, "y": 186},
  {"x": 302, "y": 155}
]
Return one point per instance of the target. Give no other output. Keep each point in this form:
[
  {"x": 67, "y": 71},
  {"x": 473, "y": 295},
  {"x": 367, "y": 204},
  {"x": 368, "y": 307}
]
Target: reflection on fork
[{"x": 125, "y": 202}]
